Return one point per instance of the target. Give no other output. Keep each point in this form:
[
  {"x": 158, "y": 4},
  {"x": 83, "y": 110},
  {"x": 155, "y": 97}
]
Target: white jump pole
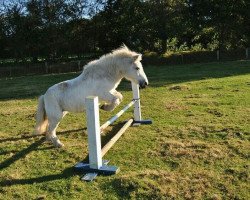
[
  {"x": 93, "y": 129},
  {"x": 111, "y": 120},
  {"x": 137, "y": 105}
]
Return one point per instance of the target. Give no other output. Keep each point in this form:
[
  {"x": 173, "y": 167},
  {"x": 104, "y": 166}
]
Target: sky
[{"x": 7, "y": 3}]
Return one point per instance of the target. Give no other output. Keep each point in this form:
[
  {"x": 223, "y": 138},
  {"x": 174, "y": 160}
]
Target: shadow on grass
[
  {"x": 21, "y": 154},
  {"x": 66, "y": 173},
  {"x": 34, "y": 146},
  {"x": 24, "y": 136},
  {"x": 109, "y": 134}
]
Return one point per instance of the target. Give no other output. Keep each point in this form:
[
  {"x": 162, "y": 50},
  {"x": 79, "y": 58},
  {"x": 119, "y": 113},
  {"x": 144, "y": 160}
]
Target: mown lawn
[{"x": 197, "y": 147}]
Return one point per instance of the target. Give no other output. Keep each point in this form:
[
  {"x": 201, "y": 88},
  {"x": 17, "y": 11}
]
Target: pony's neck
[
  {"x": 115, "y": 70},
  {"x": 108, "y": 68}
]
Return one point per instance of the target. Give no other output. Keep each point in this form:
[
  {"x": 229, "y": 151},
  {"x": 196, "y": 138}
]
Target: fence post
[
  {"x": 10, "y": 71},
  {"x": 46, "y": 68},
  {"x": 137, "y": 105},
  {"x": 218, "y": 54},
  {"x": 247, "y": 53},
  {"x": 94, "y": 135},
  {"x": 79, "y": 65}
]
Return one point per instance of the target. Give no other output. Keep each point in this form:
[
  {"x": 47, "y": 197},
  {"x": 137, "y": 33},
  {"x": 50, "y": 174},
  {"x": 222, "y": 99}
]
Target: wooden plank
[
  {"x": 93, "y": 129},
  {"x": 116, "y": 137}
]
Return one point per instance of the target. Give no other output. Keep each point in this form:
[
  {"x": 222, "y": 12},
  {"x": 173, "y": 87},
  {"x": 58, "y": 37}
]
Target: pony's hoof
[
  {"x": 102, "y": 107},
  {"x": 119, "y": 96},
  {"x": 59, "y": 145},
  {"x": 56, "y": 142},
  {"x": 37, "y": 132},
  {"x": 107, "y": 107},
  {"x": 48, "y": 138}
]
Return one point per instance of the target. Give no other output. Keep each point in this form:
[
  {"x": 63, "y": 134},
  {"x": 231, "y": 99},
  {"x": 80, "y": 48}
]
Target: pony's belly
[
  {"x": 73, "y": 100},
  {"x": 75, "y": 107}
]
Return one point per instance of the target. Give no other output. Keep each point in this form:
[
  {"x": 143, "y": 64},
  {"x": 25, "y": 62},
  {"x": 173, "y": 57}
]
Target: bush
[
  {"x": 180, "y": 58},
  {"x": 188, "y": 57}
]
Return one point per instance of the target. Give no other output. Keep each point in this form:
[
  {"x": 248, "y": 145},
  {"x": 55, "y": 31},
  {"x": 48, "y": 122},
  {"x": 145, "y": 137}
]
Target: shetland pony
[{"x": 99, "y": 78}]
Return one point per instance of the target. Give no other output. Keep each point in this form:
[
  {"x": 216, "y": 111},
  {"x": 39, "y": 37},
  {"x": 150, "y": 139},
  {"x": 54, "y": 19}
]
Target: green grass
[{"x": 197, "y": 147}]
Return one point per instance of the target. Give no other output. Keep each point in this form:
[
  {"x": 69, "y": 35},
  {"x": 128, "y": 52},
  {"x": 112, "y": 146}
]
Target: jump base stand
[
  {"x": 145, "y": 121},
  {"x": 90, "y": 173},
  {"x": 96, "y": 164}
]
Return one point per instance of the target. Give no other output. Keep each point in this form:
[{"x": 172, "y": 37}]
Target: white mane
[
  {"x": 108, "y": 64},
  {"x": 122, "y": 52}
]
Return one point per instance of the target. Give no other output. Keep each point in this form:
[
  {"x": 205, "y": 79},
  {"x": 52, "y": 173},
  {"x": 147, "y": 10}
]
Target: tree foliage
[{"x": 60, "y": 28}]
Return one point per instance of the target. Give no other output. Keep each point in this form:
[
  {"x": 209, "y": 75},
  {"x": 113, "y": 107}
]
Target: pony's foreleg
[
  {"x": 118, "y": 95},
  {"x": 112, "y": 101}
]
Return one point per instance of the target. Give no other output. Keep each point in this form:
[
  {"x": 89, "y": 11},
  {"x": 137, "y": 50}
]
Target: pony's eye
[{"x": 137, "y": 68}]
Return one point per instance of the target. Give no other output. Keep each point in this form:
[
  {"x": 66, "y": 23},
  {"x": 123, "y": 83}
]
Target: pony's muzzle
[{"x": 143, "y": 84}]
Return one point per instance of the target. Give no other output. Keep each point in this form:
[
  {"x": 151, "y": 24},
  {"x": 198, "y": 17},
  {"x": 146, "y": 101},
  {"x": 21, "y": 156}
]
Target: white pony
[{"x": 99, "y": 78}]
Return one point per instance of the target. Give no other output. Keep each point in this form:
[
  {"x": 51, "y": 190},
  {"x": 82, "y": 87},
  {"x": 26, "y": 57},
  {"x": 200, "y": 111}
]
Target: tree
[
  {"x": 15, "y": 33},
  {"x": 53, "y": 29}
]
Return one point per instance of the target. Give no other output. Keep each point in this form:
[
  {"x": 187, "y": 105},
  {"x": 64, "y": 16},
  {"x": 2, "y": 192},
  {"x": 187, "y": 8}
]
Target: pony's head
[
  {"x": 131, "y": 66},
  {"x": 134, "y": 71}
]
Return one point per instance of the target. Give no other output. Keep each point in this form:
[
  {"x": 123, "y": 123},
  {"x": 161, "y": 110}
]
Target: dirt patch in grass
[
  {"x": 214, "y": 88},
  {"x": 239, "y": 147},
  {"x": 179, "y": 88},
  {"x": 195, "y": 96},
  {"x": 159, "y": 184},
  {"x": 201, "y": 102},
  {"x": 191, "y": 149},
  {"x": 171, "y": 106},
  {"x": 242, "y": 175},
  {"x": 213, "y": 132},
  {"x": 214, "y": 112}
]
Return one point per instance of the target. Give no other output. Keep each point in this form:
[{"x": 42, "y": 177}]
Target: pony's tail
[{"x": 41, "y": 118}]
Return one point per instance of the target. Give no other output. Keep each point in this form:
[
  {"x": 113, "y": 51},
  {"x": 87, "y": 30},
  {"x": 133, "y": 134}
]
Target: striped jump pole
[
  {"x": 113, "y": 119},
  {"x": 96, "y": 164}
]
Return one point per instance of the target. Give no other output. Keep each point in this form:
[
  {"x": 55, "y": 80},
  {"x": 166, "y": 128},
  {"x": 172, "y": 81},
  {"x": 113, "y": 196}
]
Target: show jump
[
  {"x": 96, "y": 164},
  {"x": 98, "y": 81}
]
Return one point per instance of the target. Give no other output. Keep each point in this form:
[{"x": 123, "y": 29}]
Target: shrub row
[{"x": 149, "y": 58}]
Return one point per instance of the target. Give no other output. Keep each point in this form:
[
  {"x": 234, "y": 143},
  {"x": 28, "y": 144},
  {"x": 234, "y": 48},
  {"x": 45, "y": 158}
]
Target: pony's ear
[
  {"x": 123, "y": 46},
  {"x": 136, "y": 57}
]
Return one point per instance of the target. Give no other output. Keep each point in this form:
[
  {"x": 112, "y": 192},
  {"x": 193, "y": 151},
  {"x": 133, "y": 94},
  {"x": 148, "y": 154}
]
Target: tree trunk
[{"x": 163, "y": 46}]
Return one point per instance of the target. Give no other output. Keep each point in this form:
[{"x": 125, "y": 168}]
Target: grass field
[{"x": 198, "y": 146}]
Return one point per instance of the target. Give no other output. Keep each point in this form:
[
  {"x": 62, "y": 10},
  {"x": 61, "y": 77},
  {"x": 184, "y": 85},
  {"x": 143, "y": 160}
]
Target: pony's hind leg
[
  {"x": 54, "y": 115},
  {"x": 51, "y": 134}
]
